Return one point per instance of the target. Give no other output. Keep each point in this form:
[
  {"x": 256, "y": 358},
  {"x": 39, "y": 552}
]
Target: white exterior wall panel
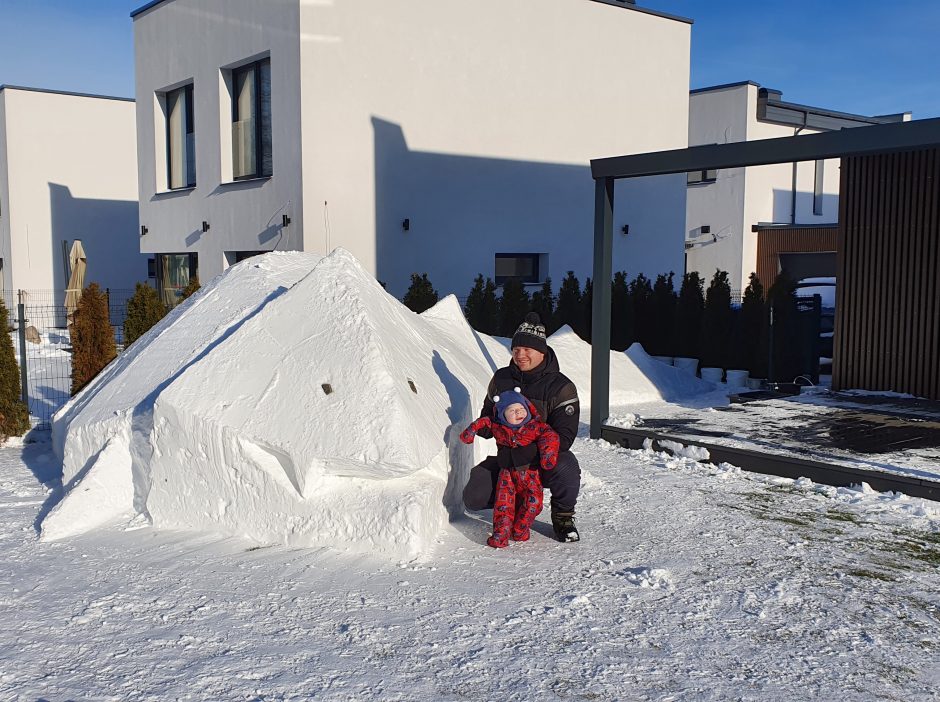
[
  {"x": 70, "y": 173},
  {"x": 474, "y": 121}
]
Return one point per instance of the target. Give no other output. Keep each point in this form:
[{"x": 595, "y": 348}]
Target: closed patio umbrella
[{"x": 73, "y": 293}]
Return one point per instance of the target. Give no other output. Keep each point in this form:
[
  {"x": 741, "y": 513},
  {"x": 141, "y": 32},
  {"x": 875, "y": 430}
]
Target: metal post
[
  {"x": 600, "y": 313},
  {"x": 21, "y": 322},
  {"x": 771, "y": 374}
]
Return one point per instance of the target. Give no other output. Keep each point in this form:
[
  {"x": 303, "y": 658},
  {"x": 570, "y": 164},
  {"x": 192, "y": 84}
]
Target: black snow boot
[{"x": 565, "y": 530}]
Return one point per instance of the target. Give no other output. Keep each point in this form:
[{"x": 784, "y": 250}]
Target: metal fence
[{"x": 37, "y": 321}]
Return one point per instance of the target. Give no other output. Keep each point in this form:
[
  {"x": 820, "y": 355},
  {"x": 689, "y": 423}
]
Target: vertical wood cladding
[
  {"x": 773, "y": 241},
  {"x": 887, "y": 334}
]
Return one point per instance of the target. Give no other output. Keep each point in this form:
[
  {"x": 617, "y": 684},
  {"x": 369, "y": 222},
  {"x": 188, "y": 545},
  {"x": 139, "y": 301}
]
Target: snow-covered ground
[
  {"x": 258, "y": 501},
  {"x": 691, "y": 583}
]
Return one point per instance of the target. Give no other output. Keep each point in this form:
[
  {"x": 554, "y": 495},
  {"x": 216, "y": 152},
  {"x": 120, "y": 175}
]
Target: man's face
[
  {"x": 527, "y": 359},
  {"x": 514, "y": 414}
]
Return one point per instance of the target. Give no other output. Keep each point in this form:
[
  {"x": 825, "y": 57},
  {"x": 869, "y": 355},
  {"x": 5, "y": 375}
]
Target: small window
[
  {"x": 251, "y": 121},
  {"x": 514, "y": 265},
  {"x": 818, "y": 188},
  {"x": 180, "y": 139},
  {"x": 698, "y": 177},
  {"x": 174, "y": 272}
]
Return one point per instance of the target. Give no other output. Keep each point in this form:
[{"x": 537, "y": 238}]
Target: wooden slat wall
[
  {"x": 773, "y": 241},
  {"x": 887, "y": 333}
]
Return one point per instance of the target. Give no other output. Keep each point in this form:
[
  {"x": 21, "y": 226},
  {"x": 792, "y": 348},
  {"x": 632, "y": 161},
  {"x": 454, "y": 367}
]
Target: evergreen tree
[
  {"x": 785, "y": 334},
  {"x": 191, "y": 287},
  {"x": 568, "y": 308},
  {"x": 421, "y": 294},
  {"x": 14, "y": 415},
  {"x": 641, "y": 293},
  {"x": 482, "y": 307},
  {"x": 513, "y": 306},
  {"x": 690, "y": 307},
  {"x": 543, "y": 302},
  {"x": 92, "y": 337},
  {"x": 587, "y": 310},
  {"x": 621, "y": 313},
  {"x": 144, "y": 310},
  {"x": 663, "y": 312},
  {"x": 717, "y": 320},
  {"x": 753, "y": 336}
]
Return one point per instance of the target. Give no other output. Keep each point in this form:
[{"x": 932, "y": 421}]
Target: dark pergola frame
[{"x": 857, "y": 141}]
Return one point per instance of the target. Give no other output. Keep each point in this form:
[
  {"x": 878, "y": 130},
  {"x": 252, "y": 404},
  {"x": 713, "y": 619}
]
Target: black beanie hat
[{"x": 531, "y": 333}]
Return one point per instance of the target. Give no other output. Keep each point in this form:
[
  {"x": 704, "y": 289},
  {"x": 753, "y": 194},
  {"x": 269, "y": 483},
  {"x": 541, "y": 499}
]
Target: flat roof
[
  {"x": 626, "y": 4},
  {"x": 65, "y": 92},
  {"x": 724, "y": 86}
]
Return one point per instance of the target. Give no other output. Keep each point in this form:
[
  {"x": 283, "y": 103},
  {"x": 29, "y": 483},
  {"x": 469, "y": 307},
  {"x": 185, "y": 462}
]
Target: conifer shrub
[
  {"x": 716, "y": 322},
  {"x": 753, "y": 334},
  {"x": 568, "y": 309},
  {"x": 663, "y": 312},
  {"x": 144, "y": 310},
  {"x": 621, "y": 313},
  {"x": 482, "y": 307},
  {"x": 784, "y": 336},
  {"x": 191, "y": 287},
  {"x": 14, "y": 415},
  {"x": 513, "y": 306},
  {"x": 421, "y": 295},
  {"x": 543, "y": 302},
  {"x": 587, "y": 310},
  {"x": 641, "y": 293},
  {"x": 690, "y": 307},
  {"x": 92, "y": 337}
]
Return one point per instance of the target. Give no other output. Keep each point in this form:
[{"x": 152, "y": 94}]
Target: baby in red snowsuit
[{"x": 515, "y": 422}]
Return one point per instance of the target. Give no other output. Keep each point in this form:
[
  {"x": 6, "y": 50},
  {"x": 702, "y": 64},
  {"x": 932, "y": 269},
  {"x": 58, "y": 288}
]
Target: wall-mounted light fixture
[
  {"x": 285, "y": 220},
  {"x": 205, "y": 226},
  {"x": 406, "y": 224},
  {"x": 706, "y": 229},
  {"x": 143, "y": 230},
  {"x": 625, "y": 229}
]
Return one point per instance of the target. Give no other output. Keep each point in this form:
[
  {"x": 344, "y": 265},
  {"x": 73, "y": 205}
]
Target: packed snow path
[{"x": 692, "y": 583}]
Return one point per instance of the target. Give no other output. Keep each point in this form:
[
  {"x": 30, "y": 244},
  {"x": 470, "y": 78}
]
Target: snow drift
[{"x": 293, "y": 400}]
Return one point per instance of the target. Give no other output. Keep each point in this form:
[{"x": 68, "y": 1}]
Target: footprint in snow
[{"x": 649, "y": 578}]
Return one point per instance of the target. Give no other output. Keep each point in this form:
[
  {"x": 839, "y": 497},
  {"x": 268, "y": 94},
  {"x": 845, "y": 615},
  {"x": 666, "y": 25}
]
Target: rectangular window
[
  {"x": 698, "y": 177},
  {"x": 180, "y": 139},
  {"x": 513, "y": 265},
  {"x": 818, "y": 188},
  {"x": 251, "y": 121},
  {"x": 174, "y": 271}
]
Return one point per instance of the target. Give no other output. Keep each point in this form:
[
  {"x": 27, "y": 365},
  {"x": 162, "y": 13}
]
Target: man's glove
[{"x": 518, "y": 457}]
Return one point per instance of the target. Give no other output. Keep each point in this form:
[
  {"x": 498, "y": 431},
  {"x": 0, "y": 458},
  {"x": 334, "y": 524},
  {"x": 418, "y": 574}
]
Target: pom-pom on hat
[
  {"x": 531, "y": 334},
  {"x": 506, "y": 398}
]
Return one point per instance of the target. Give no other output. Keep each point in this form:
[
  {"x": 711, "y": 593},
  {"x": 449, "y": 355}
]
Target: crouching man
[{"x": 534, "y": 369}]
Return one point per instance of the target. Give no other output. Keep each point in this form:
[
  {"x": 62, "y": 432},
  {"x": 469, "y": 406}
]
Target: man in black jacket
[{"x": 534, "y": 369}]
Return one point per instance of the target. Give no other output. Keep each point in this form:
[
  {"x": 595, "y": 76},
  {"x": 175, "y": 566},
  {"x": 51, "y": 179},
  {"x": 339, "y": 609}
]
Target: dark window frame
[
  {"x": 702, "y": 177},
  {"x": 818, "y": 187},
  {"x": 258, "y": 107},
  {"x": 532, "y": 279},
  {"x": 188, "y": 128}
]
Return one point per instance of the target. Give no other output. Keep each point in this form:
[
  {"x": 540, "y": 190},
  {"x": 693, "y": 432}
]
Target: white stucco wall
[
  {"x": 70, "y": 172},
  {"x": 192, "y": 41},
  {"x": 477, "y": 121},
  {"x": 743, "y": 197}
]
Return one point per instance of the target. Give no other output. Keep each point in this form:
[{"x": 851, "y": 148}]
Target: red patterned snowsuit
[{"x": 518, "y": 491}]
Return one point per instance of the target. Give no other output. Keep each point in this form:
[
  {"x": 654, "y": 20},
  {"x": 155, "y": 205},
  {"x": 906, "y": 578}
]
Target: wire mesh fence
[{"x": 38, "y": 323}]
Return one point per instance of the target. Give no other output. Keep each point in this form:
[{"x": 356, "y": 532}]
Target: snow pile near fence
[
  {"x": 305, "y": 407},
  {"x": 635, "y": 376}
]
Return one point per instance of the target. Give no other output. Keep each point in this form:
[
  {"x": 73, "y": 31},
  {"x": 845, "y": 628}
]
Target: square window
[
  {"x": 251, "y": 121},
  {"x": 699, "y": 177},
  {"x": 524, "y": 266},
  {"x": 180, "y": 138}
]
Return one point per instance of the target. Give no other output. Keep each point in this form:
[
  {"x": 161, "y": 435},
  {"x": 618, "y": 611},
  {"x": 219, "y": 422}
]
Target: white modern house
[
  {"x": 797, "y": 205},
  {"x": 68, "y": 170},
  {"x": 436, "y": 136}
]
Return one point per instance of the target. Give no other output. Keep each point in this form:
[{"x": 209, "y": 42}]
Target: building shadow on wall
[
  {"x": 783, "y": 207},
  {"x": 463, "y": 209},
  {"x": 109, "y": 234}
]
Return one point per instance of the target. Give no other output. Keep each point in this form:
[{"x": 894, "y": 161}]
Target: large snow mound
[{"x": 292, "y": 400}]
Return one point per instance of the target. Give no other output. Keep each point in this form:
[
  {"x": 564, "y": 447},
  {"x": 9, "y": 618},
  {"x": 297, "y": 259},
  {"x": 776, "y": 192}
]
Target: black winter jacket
[{"x": 554, "y": 396}]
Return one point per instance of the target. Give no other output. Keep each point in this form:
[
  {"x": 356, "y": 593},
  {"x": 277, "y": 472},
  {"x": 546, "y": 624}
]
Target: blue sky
[{"x": 866, "y": 56}]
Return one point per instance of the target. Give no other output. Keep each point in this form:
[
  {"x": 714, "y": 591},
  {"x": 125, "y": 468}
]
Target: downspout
[{"x": 796, "y": 132}]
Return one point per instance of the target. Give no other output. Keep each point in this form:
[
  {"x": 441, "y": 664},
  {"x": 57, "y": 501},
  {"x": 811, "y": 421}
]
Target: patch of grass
[
  {"x": 840, "y": 516},
  {"x": 874, "y": 575}
]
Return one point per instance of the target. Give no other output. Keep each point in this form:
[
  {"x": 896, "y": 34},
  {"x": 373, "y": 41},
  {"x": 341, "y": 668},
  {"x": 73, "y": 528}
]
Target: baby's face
[{"x": 515, "y": 414}]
